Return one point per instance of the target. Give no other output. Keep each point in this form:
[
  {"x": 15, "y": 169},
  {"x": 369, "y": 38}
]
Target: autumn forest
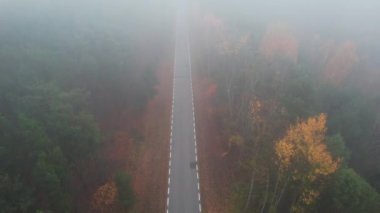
[
  {"x": 293, "y": 105},
  {"x": 286, "y": 101}
]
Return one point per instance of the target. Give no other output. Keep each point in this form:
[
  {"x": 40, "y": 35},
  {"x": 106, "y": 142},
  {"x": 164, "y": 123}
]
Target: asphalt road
[{"x": 183, "y": 182}]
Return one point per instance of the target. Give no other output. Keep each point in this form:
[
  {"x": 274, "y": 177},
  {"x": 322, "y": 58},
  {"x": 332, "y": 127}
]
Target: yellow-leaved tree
[
  {"x": 304, "y": 161},
  {"x": 105, "y": 197}
]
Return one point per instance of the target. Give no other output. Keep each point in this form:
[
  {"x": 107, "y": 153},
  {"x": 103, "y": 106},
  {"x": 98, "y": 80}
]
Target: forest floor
[
  {"x": 214, "y": 174},
  {"x": 140, "y": 142},
  {"x": 150, "y": 177}
]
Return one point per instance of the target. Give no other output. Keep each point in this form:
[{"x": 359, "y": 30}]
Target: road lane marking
[
  {"x": 172, "y": 126},
  {"x": 195, "y": 141},
  {"x": 171, "y": 129}
]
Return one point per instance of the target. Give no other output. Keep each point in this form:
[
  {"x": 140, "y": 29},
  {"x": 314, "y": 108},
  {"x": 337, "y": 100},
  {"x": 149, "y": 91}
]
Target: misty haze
[{"x": 190, "y": 106}]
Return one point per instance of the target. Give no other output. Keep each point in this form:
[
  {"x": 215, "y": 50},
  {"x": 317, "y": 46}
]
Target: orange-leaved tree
[
  {"x": 105, "y": 197},
  {"x": 304, "y": 162}
]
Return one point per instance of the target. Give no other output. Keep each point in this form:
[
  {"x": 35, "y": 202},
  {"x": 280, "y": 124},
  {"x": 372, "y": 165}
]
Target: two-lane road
[{"x": 183, "y": 182}]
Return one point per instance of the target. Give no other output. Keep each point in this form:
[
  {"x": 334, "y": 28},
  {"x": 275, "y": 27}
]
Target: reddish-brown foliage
[
  {"x": 150, "y": 176},
  {"x": 341, "y": 63},
  {"x": 214, "y": 167},
  {"x": 139, "y": 145},
  {"x": 279, "y": 40}
]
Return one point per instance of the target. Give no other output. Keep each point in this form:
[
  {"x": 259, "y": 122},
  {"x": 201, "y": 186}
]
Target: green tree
[
  {"x": 124, "y": 189},
  {"x": 349, "y": 193},
  {"x": 338, "y": 150},
  {"x": 14, "y": 195}
]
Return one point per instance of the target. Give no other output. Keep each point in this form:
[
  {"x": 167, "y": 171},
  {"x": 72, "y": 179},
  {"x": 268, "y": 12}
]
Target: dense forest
[
  {"x": 287, "y": 105},
  {"x": 66, "y": 68},
  {"x": 294, "y": 95}
]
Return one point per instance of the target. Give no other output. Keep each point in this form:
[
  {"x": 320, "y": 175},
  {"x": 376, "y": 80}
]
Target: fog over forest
[
  {"x": 277, "y": 72},
  {"x": 286, "y": 103}
]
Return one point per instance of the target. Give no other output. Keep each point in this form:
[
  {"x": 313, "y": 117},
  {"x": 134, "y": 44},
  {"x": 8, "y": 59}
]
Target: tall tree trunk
[
  {"x": 266, "y": 195},
  {"x": 250, "y": 191},
  {"x": 275, "y": 190},
  {"x": 282, "y": 192}
]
